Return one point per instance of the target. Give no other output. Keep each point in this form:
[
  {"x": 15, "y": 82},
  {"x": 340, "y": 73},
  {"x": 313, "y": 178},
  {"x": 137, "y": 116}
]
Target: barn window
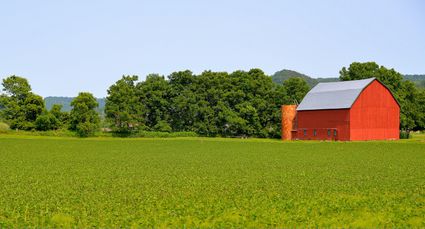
[
  {"x": 335, "y": 133},
  {"x": 305, "y": 132},
  {"x": 329, "y": 133},
  {"x": 315, "y": 132}
]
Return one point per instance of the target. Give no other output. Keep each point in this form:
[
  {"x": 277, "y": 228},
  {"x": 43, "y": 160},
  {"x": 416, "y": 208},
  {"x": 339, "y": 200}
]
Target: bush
[
  {"x": 48, "y": 133},
  {"x": 404, "y": 134},
  {"x": 86, "y": 129},
  {"x": 4, "y": 127},
  {"x": 163, "y": 126},
  {"x": 21, "y": 125},
  {"x": 46, "y": 122}
]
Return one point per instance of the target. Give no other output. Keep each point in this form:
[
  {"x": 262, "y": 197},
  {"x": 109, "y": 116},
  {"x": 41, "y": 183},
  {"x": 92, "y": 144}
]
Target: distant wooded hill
[
  {"x": 419, "y": 80},
  {"x": 278, "y": 78},
  {"x": 285, "y": 74},
  {"x": 66, "y": 103}
]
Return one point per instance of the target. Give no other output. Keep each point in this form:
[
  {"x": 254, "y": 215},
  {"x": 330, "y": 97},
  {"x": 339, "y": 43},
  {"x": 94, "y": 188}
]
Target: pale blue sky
[{"x": 67, "y": 46}]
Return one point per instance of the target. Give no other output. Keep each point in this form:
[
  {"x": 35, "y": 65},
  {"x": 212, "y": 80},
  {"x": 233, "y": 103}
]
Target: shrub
[
  {"x": 4, "y": 127},
  {"x": 22, "y": 125},
  {"x": 46, "y": 122},
  {"x": 404, "y": 134},
  {"x": 86, "y": 129},
  {"x": 163, "y": 126},
  {"x": 50, "y": 133}
]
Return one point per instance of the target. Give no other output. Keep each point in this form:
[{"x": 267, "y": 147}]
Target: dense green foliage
[
  {"x": 154, "y": 95},
  {"x": 277, "y": 78},
  {"x": 212, "y": 183},
  {"x": 210, "y": 104},
  {"x": 19, "y": 106},
  {"x": 83, "y": 117},
  {"x": 25, "y": 110},
  {"x": 411, "y": 99},
  {"x": 296, "y": 89},
  {"x": 47, "y": 122},
  {"x": 123, "y": 108},
  {"x": 61, "y": 116}
]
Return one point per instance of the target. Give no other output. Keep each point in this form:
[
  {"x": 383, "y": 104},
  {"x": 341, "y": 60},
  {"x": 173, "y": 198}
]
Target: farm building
[{"x": 347, "y": 111}]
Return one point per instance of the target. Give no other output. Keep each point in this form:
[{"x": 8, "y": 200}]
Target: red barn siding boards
[
  {"x": 375, "y": 115},
  {"x": 322, "y": 121}
]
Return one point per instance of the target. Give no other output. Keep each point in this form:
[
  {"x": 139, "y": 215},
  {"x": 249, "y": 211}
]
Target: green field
[{"x": 200, "y": 182}]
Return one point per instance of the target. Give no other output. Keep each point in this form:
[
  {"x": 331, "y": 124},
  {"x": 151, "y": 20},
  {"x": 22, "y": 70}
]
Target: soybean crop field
[{"x": 200, "y": 182}]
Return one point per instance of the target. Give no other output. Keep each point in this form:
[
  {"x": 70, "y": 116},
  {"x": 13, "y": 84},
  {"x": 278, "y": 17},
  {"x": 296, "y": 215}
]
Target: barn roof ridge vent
[{"x": 334, "y": 95}]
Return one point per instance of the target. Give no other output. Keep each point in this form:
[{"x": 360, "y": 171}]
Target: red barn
[{"x": 348, "y": 110}]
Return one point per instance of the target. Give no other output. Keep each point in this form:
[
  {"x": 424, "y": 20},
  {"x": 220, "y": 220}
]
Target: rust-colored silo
[{"x": 289, "y": 113}]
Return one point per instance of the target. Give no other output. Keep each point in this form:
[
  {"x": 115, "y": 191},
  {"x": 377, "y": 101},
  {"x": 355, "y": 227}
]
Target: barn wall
[
  {"x": 375, "y": 115},
  {"x": 322, "y": 121}
]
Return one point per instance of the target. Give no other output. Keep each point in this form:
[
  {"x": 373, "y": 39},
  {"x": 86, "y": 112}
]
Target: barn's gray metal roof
[{"x": 334, "y": 95}]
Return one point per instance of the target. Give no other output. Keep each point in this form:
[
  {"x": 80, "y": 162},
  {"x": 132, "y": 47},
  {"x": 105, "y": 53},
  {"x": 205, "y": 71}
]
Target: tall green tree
[
  {"x": 184, "y": 100},
  {"x": 123, "y": 109},
  {"x": 357, "y": 71},
  {"x": 83, "y": 117},
  {"x": 209, "y": 91},
  {"x": 296, "y": 88},
  {"x": 20, "y": 107},
  {"x": 412, "y": 104},
  {"x": 16, "y": 86},
  {"x": 154, "y": 95},
  {"x": 60, "y": 115}
]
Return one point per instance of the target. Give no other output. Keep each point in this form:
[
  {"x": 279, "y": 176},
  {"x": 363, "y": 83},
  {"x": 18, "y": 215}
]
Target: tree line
[
  {"x": 24, "y": 110},
  {"x": 241, "y": 103}
]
